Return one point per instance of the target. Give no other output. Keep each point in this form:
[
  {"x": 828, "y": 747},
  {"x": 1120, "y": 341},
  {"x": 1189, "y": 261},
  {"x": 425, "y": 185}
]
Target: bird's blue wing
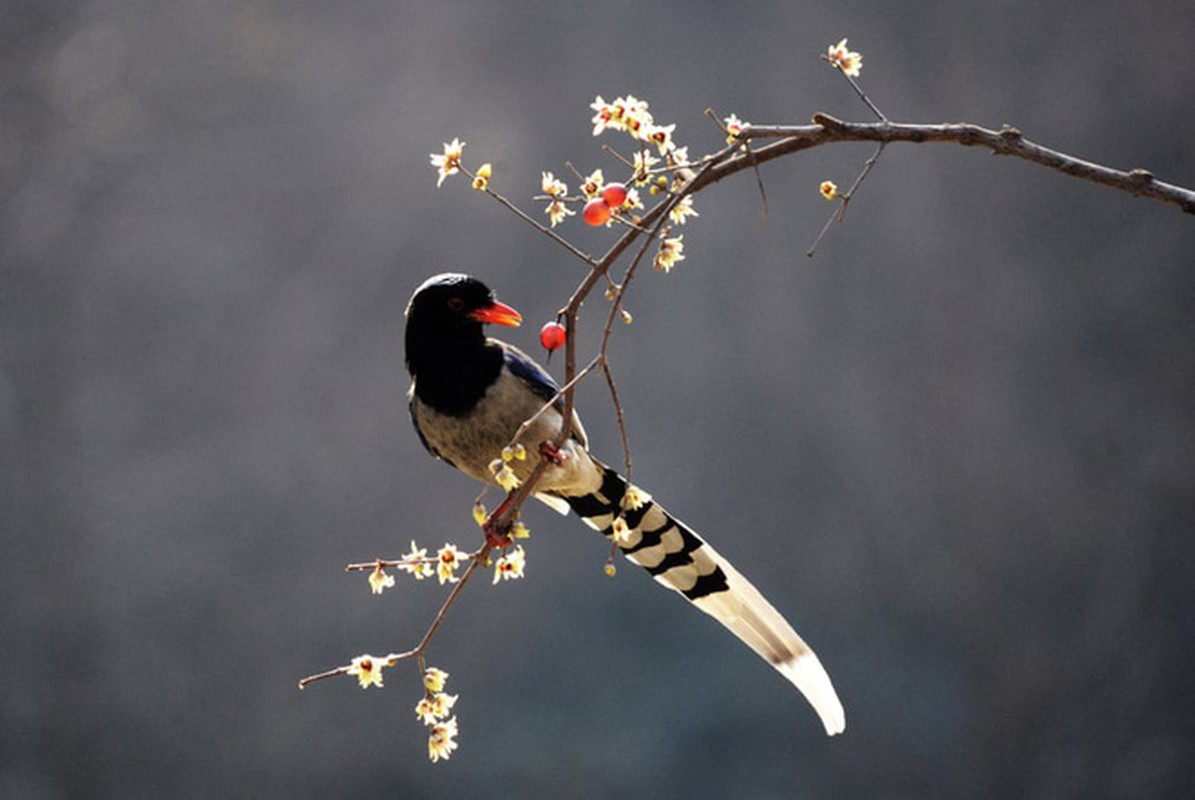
[
  {"x": 541, "y": 384},
  {"x": 533, "y": 375}
]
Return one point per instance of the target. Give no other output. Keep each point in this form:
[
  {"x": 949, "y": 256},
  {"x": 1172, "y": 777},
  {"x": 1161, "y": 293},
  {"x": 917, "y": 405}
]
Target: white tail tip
[{"x": 807, "y": 674}]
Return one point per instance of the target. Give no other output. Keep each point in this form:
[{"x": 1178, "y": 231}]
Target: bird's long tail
[{"x": 678, "y": 558}]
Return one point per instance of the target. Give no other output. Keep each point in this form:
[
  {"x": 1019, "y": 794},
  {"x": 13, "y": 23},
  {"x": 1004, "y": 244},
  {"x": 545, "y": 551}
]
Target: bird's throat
[{"x": 452, "y": 380}]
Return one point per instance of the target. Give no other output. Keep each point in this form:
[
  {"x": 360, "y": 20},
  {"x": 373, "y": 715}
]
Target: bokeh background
[{"x": 956, "y": 447}]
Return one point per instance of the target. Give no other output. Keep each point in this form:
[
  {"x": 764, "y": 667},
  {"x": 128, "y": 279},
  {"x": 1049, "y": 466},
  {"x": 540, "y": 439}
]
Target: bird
[{"x": 470, "y": 394}]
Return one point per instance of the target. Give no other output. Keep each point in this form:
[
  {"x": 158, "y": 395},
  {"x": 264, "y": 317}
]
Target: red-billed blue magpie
[{"x": 469, "y": 395}]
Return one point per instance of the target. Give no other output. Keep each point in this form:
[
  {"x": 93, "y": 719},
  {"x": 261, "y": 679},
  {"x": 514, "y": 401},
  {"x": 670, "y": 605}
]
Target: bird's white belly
[{"x": 474, "y": 440}]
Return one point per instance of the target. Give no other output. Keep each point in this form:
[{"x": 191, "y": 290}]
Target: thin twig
[
  {"x": 615, "y": 308},
  {"x": 392, "y": 562},
  {"x": 556, "y": 398},
  {"x": 839, "y": 214},
  {"x": 479, "y": 558},
  {"x": 551, "y": 234},
  {"x": 821, "y": 234},
  {"x": 319, "y": 676},
  {"x": 863, "y": 95},
  {"x": 608, "y": 149},
  {"x": 763, "y": 195},
  {"x": 619, "y": 417}
]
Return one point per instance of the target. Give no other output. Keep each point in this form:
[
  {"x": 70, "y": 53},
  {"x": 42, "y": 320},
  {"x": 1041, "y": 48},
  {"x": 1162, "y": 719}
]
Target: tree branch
[{"x": 1007, "y": 141}]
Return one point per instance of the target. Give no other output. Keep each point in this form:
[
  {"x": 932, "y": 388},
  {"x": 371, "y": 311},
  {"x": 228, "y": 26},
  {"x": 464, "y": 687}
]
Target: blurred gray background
[{"x": 957, "y": 447}]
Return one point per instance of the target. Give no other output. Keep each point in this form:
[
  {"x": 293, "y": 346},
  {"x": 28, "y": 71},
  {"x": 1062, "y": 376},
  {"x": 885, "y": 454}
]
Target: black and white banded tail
[{"x": 680, "y": 559}]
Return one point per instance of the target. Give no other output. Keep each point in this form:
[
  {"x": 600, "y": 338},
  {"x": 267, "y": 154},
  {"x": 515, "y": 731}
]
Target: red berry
[
  {"x": 596, "y": 212},
  {"x": 551, "y": 336},
  {"x": 615, "y": 194}
]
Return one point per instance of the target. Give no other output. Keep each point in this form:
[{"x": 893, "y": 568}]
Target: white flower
[
  {"x": 379, "y": 580},
  {"x": 415, "y": 562},
  {"x": 442, "y": 740},
  {"x": 435, "y": 707},
  {"x": 850, "y": 62},
  {"x": 510, "y": 566},
  {"x": 434, "y": 679},
  {"x": 368, "y": 670},
  {"x": 448, "y": 162},
  {"x": 450, "y": 558}
]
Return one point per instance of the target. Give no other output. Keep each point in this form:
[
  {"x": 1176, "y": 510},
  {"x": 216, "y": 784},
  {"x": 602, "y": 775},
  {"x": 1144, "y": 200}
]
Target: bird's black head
[{"x": 445, "y": 318}]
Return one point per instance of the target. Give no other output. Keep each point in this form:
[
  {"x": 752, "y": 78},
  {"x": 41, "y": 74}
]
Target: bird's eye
[{"x": 456, "y": 303}]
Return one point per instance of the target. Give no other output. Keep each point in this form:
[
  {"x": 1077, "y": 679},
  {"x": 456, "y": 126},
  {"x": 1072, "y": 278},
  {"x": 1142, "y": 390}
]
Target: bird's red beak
[{"x": 498, "y": 314}]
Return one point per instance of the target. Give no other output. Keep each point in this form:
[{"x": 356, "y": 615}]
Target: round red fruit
[
  {"x": 615, "y": 194},
  {"x": 551, "y": 336},
  {"x": 596, "y": 212}
]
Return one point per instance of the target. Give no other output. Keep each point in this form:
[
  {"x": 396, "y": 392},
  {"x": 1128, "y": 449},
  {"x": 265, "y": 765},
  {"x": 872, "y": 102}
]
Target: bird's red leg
[
  {"x": 551, "y": 452},
  {"x": 496, "y": 535}
]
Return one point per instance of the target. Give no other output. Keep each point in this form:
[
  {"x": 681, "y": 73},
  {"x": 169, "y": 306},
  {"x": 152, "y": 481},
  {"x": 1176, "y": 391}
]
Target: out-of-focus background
[{"x": 957, "y": 447}]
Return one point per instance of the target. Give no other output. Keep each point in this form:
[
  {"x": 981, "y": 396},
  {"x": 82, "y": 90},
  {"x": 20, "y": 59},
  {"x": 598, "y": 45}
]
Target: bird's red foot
[
  {"x": 494, "y": 537},
  {"x": 497, "y": 536},
  {"x": 551, "y": 452}
]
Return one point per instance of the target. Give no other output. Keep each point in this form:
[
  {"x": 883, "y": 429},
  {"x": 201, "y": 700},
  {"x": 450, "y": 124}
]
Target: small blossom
[
  {"x": 626, "y": 317},
  {"x": 608, "y": 117},
  {"x": 621, "y": 531},
  {"x": 628, "y": 114},
  {"x": 450, "y": 557},
  {"x": 368, "y": 670},
  {"x": 442, "y": 740},
  {"x": 678, "y": 156},
  {"x": 510, "y": 453},
  {"x": 671, "y": 251},
  {"x": 636, "y": 118},
  {"x": 481, "y": 181},
  {"x": 435, "y": 707},
  {"x": 829, "y": 190},
  {"x": 661, "y": 136},
  {"x": 734, "y": 126},
  {"x": 593, "y": 184},
  {"x": 434, "y": 679},
  {"x": 682, "y": 210},
  {"x": 507, "y": 479},
  {"x": 634, "y": 107},
  {"x": 448, "y": 162},
  {"x": 479, "y": 513},
  {"x": 519, "y": 531},
  {"x": 415, "y": 562},
  {"x": 850, "y": 62},
  {"x": 557, "y": 211},
  {"x": 632, "y": 200},
  {"x": 379, "y": 581},
  {"x": 610, "y": 570},
  {"x": 504, "y": 476},
  {"x": 510, "y": 566},
  {"x": 642, "y": 164},
  {"x": 552, "y": 186},
  {"x": 635, "y": 498}
]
